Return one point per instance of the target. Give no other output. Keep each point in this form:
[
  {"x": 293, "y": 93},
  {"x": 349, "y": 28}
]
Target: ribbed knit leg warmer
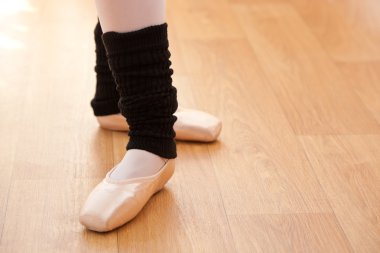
[
  {"x": 139, "y": 61},
  {"x": 105, "y": 101}
]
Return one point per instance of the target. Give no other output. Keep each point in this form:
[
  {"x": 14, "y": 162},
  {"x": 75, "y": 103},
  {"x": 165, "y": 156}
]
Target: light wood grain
[
  {"x": 347, "y": 30},
  {"x": 288, "y": 233},
  {"x": 213, "y": 21},
  {"x": 296, "y": 168},
  {"x": 42, "y": 217},
  {"x": 365, "y": 81},
  {"x": 178, "y": 218},
  {"x": 259, "y": 175},
  {"x": 7, "y": 148},
  {"x": 348, "y": 169},
  {"x": 313, "y": 93}
]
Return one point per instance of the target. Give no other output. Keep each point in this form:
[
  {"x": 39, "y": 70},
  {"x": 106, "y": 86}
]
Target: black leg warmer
[
  {"x": 106, "y": 96},
  {"x": 140, "y": 64}
]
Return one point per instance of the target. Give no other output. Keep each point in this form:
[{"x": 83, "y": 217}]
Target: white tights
[{"x": 130, "y": 15}]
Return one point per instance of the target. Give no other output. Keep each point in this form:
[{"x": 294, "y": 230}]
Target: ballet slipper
[
  {"x": 191, "y": 125},
  {"x": 112, "y": 203}
]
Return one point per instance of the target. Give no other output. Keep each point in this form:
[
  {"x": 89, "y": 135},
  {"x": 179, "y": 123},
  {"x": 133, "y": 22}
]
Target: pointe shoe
[
  {"x": 112, "y": 203},
  {"x": 195, "y": 125},
  {"x": 191, "y": 125}
]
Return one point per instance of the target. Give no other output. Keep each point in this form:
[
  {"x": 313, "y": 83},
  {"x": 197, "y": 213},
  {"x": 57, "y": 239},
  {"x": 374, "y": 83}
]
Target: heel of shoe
[{"x": 168, "y": 173}]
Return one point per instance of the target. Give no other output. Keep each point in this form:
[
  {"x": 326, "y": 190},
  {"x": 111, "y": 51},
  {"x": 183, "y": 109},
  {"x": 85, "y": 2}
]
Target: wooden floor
[{"x": 297, "y": 166}]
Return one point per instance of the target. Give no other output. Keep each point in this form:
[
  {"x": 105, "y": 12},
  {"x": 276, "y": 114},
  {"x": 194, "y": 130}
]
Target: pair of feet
[
  {"x": 130, "y": 184},
  {"x": 191, "y": 125}
]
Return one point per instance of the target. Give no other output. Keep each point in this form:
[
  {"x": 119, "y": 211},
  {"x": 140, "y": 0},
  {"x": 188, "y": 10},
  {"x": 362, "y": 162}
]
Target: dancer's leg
[
  {"x": 129, "y": 15},
  {"x": 135, "y": 38},
  {"x": 191, "y": 124},
  {"x": 106, "y": 96}
]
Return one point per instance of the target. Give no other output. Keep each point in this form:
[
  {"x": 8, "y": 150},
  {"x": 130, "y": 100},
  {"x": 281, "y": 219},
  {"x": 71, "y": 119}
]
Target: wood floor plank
[
  {"x": 176, "y": 58},
  {"x": 284, "y": 76},
  {"x": 213, "y": 21},
  {"x": 288, "y": 233},
  {"x": 42, "y": 216},
  {"x": 7, "y": 146},
  {"x": 365, "y": 81},
  {"x": 348, "y": 169},
  {"x": 181, "y": 212},
  {"x": 13, "y": 49},
  {"x": 312, "y": 92},
  {"x": 256, "y": 173},
  {"x": 58, "y": 113},
  {"x": 348, "y": 30}
]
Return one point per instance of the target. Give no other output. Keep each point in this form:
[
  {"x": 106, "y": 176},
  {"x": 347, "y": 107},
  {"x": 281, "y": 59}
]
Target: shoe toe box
[
  {"x": 107, "y": 207},
  {"x": 197, "y": 125}
]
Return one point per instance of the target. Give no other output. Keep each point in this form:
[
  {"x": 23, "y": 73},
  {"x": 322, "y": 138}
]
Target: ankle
[{"x": 137, "y": 163}]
